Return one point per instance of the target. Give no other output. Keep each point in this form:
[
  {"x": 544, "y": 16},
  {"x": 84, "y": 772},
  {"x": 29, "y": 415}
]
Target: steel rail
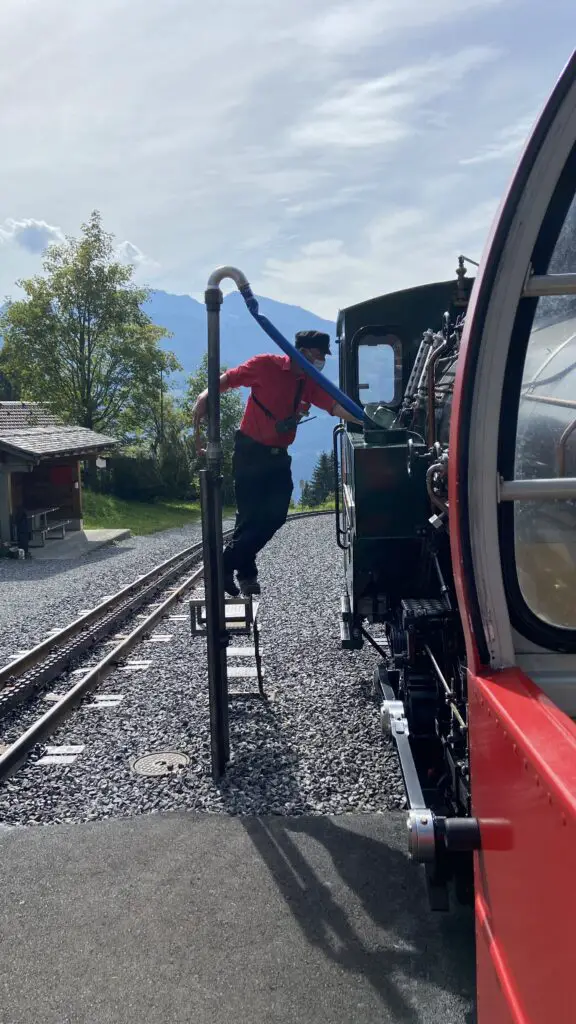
[
  {"x": 19, "y": 665},
  {"x": 139, "y": 588},
  {"x": 57, "y": 653},
  {"x": 13, "y": 757},
  {"x": 17, "y": 751}
]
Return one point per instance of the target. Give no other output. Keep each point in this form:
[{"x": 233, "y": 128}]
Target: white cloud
[
  {"x": 346, "y": 196},
  {"x": 380, "y": 111},
  {"x": 34, "y": 236},
  {"x": 384, "y": 258},
  {"x": 345, "y": 26},
  {"x": 254, "y": 136},
  {"x": 129, "y": 253},
  {"x": 30, "y": 234},
  {"x": 507, "y": 142}
]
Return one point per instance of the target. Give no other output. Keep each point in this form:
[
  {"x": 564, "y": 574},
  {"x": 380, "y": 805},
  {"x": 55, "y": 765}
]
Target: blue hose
[{"x": 319, "y": 378}]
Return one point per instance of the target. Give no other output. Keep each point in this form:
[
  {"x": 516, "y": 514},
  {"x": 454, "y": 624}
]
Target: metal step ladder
[{"x": 241, "y": 621}]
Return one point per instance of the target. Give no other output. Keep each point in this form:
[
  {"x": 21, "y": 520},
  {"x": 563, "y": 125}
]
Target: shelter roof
[
  {"x": 18, "y": 415},
  {"x": 31, "y": 431}
]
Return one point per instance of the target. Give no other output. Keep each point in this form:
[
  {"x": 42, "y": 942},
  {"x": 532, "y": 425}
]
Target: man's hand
[
  {"x": 338, "y": 410},
  {"x": 199, "y": 410}
]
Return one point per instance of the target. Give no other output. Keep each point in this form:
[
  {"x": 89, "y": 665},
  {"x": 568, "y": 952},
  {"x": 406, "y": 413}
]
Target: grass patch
[
  {"x": 326, "y": 506},
  {"x": 104, "y": 511}
]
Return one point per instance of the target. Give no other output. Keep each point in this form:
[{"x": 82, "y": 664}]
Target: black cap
[{"x": 313, "y": 339}]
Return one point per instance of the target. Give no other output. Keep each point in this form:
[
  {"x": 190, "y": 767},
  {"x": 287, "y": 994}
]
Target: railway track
[{"x": 24, "y": 678}]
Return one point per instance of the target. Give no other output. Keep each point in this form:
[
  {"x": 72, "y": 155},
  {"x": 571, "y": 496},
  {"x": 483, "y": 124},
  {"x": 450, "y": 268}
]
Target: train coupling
[{"x": 427, "y": 831}]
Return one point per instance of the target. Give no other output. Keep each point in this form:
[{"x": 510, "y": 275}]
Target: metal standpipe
[{"x": 211, "y": 502}]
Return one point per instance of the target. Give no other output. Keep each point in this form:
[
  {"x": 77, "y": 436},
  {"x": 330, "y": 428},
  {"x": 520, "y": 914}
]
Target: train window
[
  {"x": 545, "y": 533},
  {"x": 376, "y": 370}
]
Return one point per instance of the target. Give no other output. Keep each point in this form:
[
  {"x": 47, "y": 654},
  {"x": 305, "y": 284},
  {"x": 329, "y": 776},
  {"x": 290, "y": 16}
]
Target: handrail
[
  {"x": 538, "y": 285},
  {"x": 340, "y": 533},
  {"x": 555, "y": 489}
]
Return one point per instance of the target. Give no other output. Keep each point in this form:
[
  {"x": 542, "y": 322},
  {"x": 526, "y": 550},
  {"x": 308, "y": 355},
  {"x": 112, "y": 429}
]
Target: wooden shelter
[{"x": 40, "y": 470}]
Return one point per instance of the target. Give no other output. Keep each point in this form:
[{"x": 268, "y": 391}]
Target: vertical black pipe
[
  {"x": 213, "y": 299},
  {"x": 211, "y": 498},
  {"x": 216, "y": 651}
]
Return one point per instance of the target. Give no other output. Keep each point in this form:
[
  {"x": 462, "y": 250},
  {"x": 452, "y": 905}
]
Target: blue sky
[{"x": 334, "y": 151}]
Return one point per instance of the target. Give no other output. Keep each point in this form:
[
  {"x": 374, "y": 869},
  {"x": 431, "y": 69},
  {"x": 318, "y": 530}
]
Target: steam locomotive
[{"x": 393, "y": 528}]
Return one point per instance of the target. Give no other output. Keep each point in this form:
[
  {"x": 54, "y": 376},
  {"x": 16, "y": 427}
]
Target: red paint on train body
[
  {"x": 522, "y": 745},
  {"x": 523, "y": 761}
]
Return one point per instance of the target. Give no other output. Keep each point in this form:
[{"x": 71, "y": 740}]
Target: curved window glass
[
  {"x": 545, "y": 532},
  {"x": 378, "y": 375}
]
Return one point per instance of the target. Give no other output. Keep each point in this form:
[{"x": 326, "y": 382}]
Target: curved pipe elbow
[
  {"x": 221, "y": 273},
  {"x": 440, "y": 468}
]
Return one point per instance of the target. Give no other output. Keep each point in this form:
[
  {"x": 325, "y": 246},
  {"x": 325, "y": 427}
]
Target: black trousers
[{"x": 263, "y": 486}]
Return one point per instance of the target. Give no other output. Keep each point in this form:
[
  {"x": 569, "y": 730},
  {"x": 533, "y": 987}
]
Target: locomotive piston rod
[{"x": 433, "y": 840}]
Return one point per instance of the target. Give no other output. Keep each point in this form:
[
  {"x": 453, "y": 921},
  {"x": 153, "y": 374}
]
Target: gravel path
[
  {"x": 38, "y": 596},
  {"x": 316, "y": 747}
]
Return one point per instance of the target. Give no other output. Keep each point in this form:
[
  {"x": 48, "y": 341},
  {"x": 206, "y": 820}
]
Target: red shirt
[{"x": 274, "y": 382}]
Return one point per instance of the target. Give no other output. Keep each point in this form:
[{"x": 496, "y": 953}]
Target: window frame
[
  {"x": 522, "y": 618},
  {"x": 378, "y": 331}
]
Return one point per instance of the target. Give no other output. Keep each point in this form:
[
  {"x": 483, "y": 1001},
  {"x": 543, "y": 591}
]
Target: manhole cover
[{"x": 165, "y": 762}]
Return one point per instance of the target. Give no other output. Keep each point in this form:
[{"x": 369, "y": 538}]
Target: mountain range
[{"x": 240, "y": 338}]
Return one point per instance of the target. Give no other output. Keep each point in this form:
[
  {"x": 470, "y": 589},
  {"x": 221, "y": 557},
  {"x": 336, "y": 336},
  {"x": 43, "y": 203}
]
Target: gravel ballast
[
  {"x": 37, "y": 596},
  {"x": 314, "y": 747}
]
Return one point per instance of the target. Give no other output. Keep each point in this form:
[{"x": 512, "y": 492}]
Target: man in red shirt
[{"x": 281, "y": 394}]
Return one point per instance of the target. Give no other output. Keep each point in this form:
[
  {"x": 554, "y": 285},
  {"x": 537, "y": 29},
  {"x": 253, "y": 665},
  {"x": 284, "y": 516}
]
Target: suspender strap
[
  {"x": 297, "y": 397},
  {"x": 299, "y": 391}
]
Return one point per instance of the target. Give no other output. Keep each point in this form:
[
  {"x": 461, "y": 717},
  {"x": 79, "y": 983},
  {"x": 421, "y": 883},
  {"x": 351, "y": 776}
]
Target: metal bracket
[{"x": 394, "y": 717}]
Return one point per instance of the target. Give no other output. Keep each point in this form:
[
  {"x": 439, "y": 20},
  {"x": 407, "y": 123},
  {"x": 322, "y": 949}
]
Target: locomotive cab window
[
  {"x": 379, "y": 374},
  {"x": 543, "y": 577}
]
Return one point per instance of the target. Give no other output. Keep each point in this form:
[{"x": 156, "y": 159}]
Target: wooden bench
[
  {"x": 39, "y": 524},
  {"x": 51, "y": 528}
]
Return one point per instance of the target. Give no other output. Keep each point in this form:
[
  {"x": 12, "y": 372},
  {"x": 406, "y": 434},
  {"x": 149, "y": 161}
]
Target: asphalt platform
[
  {"x": 205, "y": 918},
  {"x": 77, "y": 544}
]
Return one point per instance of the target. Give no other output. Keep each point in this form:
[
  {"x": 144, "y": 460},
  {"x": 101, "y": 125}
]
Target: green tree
[
  {"x": 147, "y": 421},
  {"x": 305, "y": 494},
  {"x": 321, "y": 487},
  {"x": 80, "y": 341},
  {"x": 8, "y": 390},
  {"x": 176, "y": 452},
  {"x": 231, "y": 408}
]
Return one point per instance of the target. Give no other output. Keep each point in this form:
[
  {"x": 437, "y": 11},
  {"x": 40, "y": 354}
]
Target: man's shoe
[
  {"x": 229, "y": 585},
  {"x": 249, "y": 587}
]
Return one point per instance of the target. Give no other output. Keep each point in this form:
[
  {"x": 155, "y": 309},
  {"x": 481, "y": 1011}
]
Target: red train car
[{"x": 513, "y": 541}]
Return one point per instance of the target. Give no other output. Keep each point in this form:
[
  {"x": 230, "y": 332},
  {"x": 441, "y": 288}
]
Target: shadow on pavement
[{"x": 407, "y": 944}]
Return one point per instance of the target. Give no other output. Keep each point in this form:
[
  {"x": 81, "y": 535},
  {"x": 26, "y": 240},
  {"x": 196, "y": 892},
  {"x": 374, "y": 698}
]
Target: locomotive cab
[{"x": 383, "y": 509}]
